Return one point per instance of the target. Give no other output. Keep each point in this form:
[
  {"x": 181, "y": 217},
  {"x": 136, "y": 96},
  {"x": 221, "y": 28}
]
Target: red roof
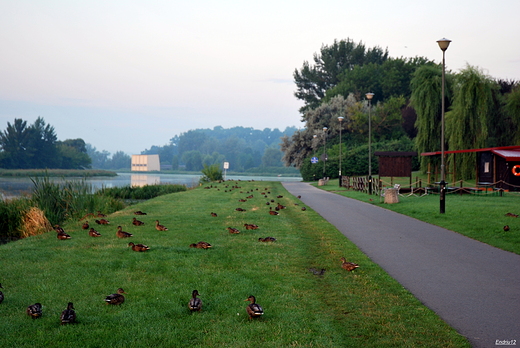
[{"x": 510, "y": 153}]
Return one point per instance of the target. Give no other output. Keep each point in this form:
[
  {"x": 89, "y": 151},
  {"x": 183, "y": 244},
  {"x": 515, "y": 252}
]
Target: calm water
[{"x": 14, "y": 187}]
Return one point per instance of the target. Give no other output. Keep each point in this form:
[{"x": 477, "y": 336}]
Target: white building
[{"x": 145, "y": 163}]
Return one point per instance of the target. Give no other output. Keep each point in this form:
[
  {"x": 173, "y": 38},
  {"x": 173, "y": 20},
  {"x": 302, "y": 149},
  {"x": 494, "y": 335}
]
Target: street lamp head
[
  {"x": 314, "y": 136},
  {"x": 325, "y": 129},
  {"x": 340, "y": 118},
  {"x": 443, "y": 44},
  {"x": 369, "y": 96}
]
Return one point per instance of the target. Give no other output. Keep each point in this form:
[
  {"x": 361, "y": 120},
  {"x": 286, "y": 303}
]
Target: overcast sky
[{"x": 126, "y": 75}]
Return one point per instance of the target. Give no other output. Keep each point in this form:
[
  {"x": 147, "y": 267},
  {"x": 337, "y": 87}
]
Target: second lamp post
[{"x": 369, "y": 97}]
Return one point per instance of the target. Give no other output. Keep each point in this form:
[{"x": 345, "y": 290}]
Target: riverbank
[
  {"x": 8, "y": 173},
  {"x": 334, "y": 307}
]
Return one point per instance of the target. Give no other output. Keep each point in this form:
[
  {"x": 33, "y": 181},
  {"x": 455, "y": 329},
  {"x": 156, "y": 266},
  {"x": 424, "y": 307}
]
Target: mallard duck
[
  {"x": 195, "y": 303},
  {"x": 68, "y": 316},
  {"x": 35, "y": 310},
  {"x": 272, "y": 212},
  {"x": 349, "y": 266},
  {"x": 251, "y": 226},
  {"x": 201, "y": 245},
  {"x": 122, "y": 234},
  {"x": 85, "y": 225},
  {"x": 240, "y": 209},
  {"x": 214, "y": 214},
  {"x": 506, "y": 228},
  {"x": 138, "y": 247},
  {"x": 61, "y": 234},
  {"x": 1, "y": 294},
  {"x": 116, "y": 299},
  {"x": 139, "y": 213},
  {"x": 102, "y": 222},
  {"x": 267, "y": 239},
  {"x": 93, "y": 233},
  {"x": 233, "y": 230},
  {"x": 160, "y": 227},
  {"x": 512, "y": 215},
  {"x": 136, "y": 222},
  {"x": 253, "y": 309}
]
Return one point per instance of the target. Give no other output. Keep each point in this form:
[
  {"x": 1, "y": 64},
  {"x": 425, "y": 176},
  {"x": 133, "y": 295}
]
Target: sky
[{"x": 126, "y": 75}]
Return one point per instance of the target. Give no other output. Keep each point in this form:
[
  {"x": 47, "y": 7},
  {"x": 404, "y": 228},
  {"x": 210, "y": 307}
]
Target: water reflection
[{"x": 15, "y": 187}]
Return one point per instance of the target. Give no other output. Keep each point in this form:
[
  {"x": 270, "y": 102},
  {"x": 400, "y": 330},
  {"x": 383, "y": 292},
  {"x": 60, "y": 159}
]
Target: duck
[
  {"x": 233, "y": 230},
  {"x": 35, "y": 310},
  {"x": 214, "y": 214},
  {"x": 251, "y": 226},
  {"x": 100, "y": 214},
  {"x": 201, "y": 245},
  {"x": 61, "y": 234},
  {"x": 304, "y": 209},
  {"x": 93, "y": 233},
  {"x": 254, "y": 310},
  {"x": 195, "y": 303},
  {"x": 349, "y": 266},
  {"x": 1, "y": 294},
  {"x": 272, "y": 212},
  {"x": 122, "y": 234},
  {"x": 138, "y": 247},
  {"x": 136, "y": 222},
  {"x": 102, "y": 222},
  {"x": 506, "y": 228},
  {"x": 160, "y": 227},
  {"x": 68, "y": 316},
  {"x": 85, "y": 225},
  {"x": 512, "y": 215},
  {"x": 117, "y": 298},
  {"x": 139, "y": 213},
  {"x": 267, "y": 239},
  {"x": 240, "y": 209}
]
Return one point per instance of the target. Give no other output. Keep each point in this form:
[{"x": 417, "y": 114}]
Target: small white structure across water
[{"x": 145, "y": 163}]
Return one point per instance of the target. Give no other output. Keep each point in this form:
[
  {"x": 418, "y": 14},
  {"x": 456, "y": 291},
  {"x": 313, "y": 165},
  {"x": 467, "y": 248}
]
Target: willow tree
[
  {"x": 426, "y": 99},
  {"x": 467, "y": 121},
  {"x": 512, "y": 110}
]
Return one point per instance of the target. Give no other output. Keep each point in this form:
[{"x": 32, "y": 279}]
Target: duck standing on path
[
  {"x": 34, "y": 311},
  {"x": 195, "y": 303},
  {"x": 68, "y": 316},
  {"x": 116, "y": 299},
  {"x": 254, "y": 310}
]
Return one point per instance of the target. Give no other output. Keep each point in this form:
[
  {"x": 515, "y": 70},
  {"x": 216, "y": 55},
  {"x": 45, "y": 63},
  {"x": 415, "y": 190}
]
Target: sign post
[{"x": 226, "y": 167}]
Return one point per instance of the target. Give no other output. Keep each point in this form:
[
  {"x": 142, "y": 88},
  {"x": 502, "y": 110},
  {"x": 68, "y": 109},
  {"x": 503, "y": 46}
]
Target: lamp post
[
  {"x": 325, "y": 150},
  {"x": 443, "y": 45},
  {"x": 314, "y": 137},
  {"x": 340, "y": 119},
  {"x": 369, "y": 97}
]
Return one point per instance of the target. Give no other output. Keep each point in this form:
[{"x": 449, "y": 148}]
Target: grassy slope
[{"x": 339, "y": 309}]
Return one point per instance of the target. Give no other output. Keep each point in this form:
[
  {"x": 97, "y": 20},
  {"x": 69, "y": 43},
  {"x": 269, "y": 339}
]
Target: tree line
[
  {"x": 245, "y": 148},
  {"x": 405, "y": 111}
]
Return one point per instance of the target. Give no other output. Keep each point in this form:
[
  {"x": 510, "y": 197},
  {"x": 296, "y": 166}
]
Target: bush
[
  {"x": 211, "y": 173},
  {"x": 140, "y": 192}
]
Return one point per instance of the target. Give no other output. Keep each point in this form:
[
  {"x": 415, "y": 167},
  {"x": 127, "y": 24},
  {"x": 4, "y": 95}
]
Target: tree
[
  {"x": 13, "y": 142},
  {"x": 511, "y": 110},
  {"x": 272, "y": 158},
  {"x": 467, "y": 121},
  {"x": 120, "y": 160},
  {"x": 312, "y": 81},
  {"x": 99, "y": 159},
  {"x": 193, "y": 160}
]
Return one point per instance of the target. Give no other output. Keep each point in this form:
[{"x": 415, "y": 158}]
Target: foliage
[
  {"x": 211, "y": 173},
  {"x": 466, "y": 123},
  {"x": 104, "y": 160},
  {"x": 313, "y": 81},
  {"x": 512, "y": 114},
  {"x": 11, "y": 215},
  {"x": 366, "y": 308},
  {"x": 36, "y": 146},
  {"x": 139, "y": 192},
  {"x": 54, "y": 173}
]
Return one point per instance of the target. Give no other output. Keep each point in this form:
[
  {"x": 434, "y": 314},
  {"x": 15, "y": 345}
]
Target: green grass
[
  {"x": 478, "y": 216},
  {"x": 365, "y": 308}
]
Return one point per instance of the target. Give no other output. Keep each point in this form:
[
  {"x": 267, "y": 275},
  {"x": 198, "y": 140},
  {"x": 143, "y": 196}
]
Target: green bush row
[{"x": 140, "y": 192}]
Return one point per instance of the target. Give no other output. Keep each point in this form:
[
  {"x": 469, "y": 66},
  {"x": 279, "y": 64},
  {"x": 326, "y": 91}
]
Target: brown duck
[
  {"x": 117, "y": 298},
  {"x": 195, "y": 303},
  {"x": 138, "y": 247},
  {"x": 160, "y": 227},
  {"x": 68, "y": 316},
  {"x": 34, "y": 311},
  {"x": 93, "y": 233},
  {"x": 254, "y": 310},
  {"x": 136, "y": 222},
  {"x": 349, "y": 266},
  {"x": 122, "y": 234},
  {"x": 201, "y": 245}
]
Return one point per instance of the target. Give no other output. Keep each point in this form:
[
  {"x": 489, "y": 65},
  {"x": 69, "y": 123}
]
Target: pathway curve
[{"x": 472, "y": 286}]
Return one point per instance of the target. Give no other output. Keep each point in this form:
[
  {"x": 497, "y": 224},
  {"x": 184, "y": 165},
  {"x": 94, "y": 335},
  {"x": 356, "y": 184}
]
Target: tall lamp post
[
  {"x": 369, "y": 97},
  {"x": 325, "y": 151},
  {"x": 443, "y": 45},
  {"x": 340, "y": 119}
]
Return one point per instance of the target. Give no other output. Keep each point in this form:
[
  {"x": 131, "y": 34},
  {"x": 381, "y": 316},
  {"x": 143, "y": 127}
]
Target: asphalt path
[{"x": 472, "y": 286}]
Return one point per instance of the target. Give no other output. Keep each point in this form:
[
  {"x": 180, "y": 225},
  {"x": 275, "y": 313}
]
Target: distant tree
[
  {"x": 14, "y": 142},
  {"x": 511, "y": 111},
  {"x": 193, "y": 160},
  {"x": 120, "y": 160},
  {"x": 313, "y": 81},
  {"x": 272, "y": 157},
  {"x": 175, "y": 162},
  {"x": 99, "y": 158},
  {"x": 71, "y": 158}
]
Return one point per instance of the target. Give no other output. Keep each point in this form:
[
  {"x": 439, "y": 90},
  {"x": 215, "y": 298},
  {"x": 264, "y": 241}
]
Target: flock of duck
[{"x": 254, "y": 310}]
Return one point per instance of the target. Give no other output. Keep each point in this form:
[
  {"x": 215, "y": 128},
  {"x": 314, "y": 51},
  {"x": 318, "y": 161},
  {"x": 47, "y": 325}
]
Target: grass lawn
[
  {"x": 481, "y": 217},
  {"x": 363, "y": 308}
]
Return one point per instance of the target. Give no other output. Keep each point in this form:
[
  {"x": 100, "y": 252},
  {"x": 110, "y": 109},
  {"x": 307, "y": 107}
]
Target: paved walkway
[{"x": 472, "y": 286}]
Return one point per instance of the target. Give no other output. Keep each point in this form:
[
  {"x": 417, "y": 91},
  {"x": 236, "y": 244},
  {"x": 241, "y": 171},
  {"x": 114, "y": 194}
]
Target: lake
[{"x": 15, "y": 187}]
